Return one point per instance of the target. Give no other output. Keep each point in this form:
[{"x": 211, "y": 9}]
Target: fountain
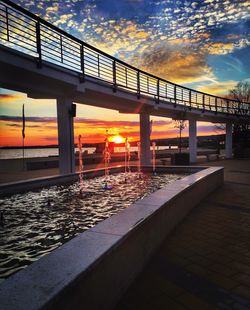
[
  {"x": 80, "y": 163},
  {"x": 139, "y": 159},
  {"x": 153, "y": 157},
  {"x": 126, "y": 159},
  {"x": 107, "y": 157},
  {"x": 31, "y": 227}
]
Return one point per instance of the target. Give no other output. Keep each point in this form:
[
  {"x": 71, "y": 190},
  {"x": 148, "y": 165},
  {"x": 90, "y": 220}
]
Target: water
[
  {"x": 46, "y": 152},
  {"x": 80, "y": 167},
  {"x": 121, "y": 149},
  {"x": 38, "y": 152},
  {"x": 36, "y": 223}
]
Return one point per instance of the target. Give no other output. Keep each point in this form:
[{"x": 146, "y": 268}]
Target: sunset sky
[{"x": 203, "y": 45}]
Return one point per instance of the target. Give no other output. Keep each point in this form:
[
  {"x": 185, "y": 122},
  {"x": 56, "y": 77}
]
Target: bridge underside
[{"x": 19, "y": 72}]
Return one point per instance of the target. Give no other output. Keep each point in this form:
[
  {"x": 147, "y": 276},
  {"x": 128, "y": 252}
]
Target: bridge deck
[{"x": 45, "y": 44}]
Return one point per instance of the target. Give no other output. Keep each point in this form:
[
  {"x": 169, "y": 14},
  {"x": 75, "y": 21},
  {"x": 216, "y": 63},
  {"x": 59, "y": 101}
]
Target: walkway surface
[{"x": 205, "y": 262}]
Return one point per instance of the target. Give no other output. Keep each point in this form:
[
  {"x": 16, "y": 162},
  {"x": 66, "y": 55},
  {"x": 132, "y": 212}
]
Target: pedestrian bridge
[{"x": 43, "y": 61}]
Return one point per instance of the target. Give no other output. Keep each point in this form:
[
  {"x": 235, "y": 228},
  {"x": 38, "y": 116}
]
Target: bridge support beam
[
  {"x": 65, "y": 136},
  {"x": 192, "y": 141},
  {"x": 145, "y": 138},
  {"x": 229, "y": 141}
]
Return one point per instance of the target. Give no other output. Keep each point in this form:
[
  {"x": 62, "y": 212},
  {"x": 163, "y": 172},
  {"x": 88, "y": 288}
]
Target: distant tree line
[{"x": 241, "y": 130}]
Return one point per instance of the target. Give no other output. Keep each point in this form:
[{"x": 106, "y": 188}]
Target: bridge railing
[{"x": 28, "y": 33}]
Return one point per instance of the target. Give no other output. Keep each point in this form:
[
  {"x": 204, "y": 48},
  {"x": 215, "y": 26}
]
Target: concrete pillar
[
  {"x": 145, "y": 138},
  {"x": 229, "y": 141},
  {"x": 192, "y": 141},
  {"x": 65, "y": 136}
]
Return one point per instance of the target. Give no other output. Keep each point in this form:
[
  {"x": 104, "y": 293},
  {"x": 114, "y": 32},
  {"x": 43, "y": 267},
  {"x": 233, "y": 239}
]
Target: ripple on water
[{"x": 36, "y": 223}]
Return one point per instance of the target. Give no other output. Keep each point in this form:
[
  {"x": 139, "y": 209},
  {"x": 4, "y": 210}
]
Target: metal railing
[{"x": 28, "y": 33}]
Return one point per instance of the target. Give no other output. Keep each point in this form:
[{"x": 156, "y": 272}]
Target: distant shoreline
[
  {"x": 41, "y": 146},
  {"x": 161, "y": 142}
]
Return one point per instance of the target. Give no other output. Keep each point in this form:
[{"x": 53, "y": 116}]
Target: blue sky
[
  {"x": 207, "y": 41},
  {"x": 204, "y": 45}
]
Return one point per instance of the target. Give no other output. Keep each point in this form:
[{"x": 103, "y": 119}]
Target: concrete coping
[{"x": 44, "y": 284}]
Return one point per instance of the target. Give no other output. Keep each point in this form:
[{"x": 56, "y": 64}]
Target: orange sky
[{"x": 90, "y": 122}]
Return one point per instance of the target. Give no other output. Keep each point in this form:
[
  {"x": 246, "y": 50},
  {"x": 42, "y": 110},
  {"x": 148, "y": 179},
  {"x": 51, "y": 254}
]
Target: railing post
[
  {"x": 190, "y": 100},
  {"x": 175, "y": 96},
  {"x": 38, "y": 45},
  {"x": 228, "y": 107},
  {"x": 158, "y": 92},
  {"x": 138, "y": 85},
  {"x": 114, "y": 76},
  {"x": 7, "y": 23},
  {"x": 203, "y": 103},
  {"x": 98, "y": 64},
  {"x": 61, "y": 46},
  {"x": 82, "y": 76},
  {"x": 239, "y": 107},
  {"x": 216, "y": 105},
  {"x": 126, "y": 76}
]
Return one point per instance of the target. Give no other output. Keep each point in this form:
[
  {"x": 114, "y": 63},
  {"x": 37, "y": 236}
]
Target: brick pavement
[{"x": 205, "y": 262}]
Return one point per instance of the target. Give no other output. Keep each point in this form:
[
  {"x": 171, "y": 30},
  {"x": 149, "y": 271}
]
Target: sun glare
[{"x": 117, "y": 139}]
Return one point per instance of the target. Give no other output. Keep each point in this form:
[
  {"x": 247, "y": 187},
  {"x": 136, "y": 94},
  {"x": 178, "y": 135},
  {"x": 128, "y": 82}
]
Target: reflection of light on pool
[
  {"x": 121, "y": 149},
  {"x": 36, "y": 223}
]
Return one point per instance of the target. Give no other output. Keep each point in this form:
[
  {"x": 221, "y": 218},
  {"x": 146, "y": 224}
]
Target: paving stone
[
  {"x": 164, "y": 302},
  {"x": 207, "y": 257},
  {"x": 244, "y": 268},
  {"x": 243, "y": 279},
  {"x": 180, "y": 261},
  {"x": 237, "y": 306},
  {"x": 222, "y": 269},
  {"x": 148, "y": 284},
  {"x": 198, "y": 270},
  {"x": 222, "y": 281},
  {"x": 243, "y": 291},
  {"x": 201, "y": 260},
  {"x": 193, "y": 302}
]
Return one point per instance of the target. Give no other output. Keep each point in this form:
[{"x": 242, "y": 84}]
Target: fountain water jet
[
  {"x": 127, "y": 158},
  {"x": 139, "y": 159},
  {"x": 153, "y": 157},
  {"x": 80, "y": 163},
  {"x": 107, "y": 157}
]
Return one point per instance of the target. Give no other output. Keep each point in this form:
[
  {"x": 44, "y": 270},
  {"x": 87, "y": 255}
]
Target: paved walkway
[{"x": 205, "y": 262}]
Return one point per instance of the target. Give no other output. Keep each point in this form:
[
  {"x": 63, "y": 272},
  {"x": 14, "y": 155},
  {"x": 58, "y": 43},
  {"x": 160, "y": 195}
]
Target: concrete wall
[{"x": 93, "y": 270}]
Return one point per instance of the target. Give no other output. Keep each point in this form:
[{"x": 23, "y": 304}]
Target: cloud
[
  {"x": 218, "y": 88},
  {"x": 80, "y": 120},
  {"x": 11, "y": 97},
  {"x": 118, "y": 37},
  {"x": 220, "y": 48},
  {"x": 20, "y": 125},
  {"x": 179, "y": 63},
  {"x": 33, "y": 119}
]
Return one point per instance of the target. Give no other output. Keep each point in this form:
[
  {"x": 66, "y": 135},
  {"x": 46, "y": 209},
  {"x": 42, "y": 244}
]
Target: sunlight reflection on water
[{"x": 36, "y": 223}]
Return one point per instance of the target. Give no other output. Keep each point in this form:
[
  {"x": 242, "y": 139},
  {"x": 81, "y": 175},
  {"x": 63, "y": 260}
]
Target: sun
[{"x": 117, "y": 139}]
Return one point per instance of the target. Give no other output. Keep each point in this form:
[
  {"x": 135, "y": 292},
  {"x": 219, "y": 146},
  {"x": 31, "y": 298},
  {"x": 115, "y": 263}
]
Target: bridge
[{"x": 46, "y": 62}]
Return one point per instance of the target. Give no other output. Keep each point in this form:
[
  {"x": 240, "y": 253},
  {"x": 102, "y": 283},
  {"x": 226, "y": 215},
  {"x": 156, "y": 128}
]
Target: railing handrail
[{"x": 64, "y": 33}]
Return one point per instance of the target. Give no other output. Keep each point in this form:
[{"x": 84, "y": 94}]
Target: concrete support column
[
  {"x": 65, "y": 136},
  {"x": 145, "y": 138},
  {"x": 229, "y": 141},
  {"x": 192, "y": 140}
]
